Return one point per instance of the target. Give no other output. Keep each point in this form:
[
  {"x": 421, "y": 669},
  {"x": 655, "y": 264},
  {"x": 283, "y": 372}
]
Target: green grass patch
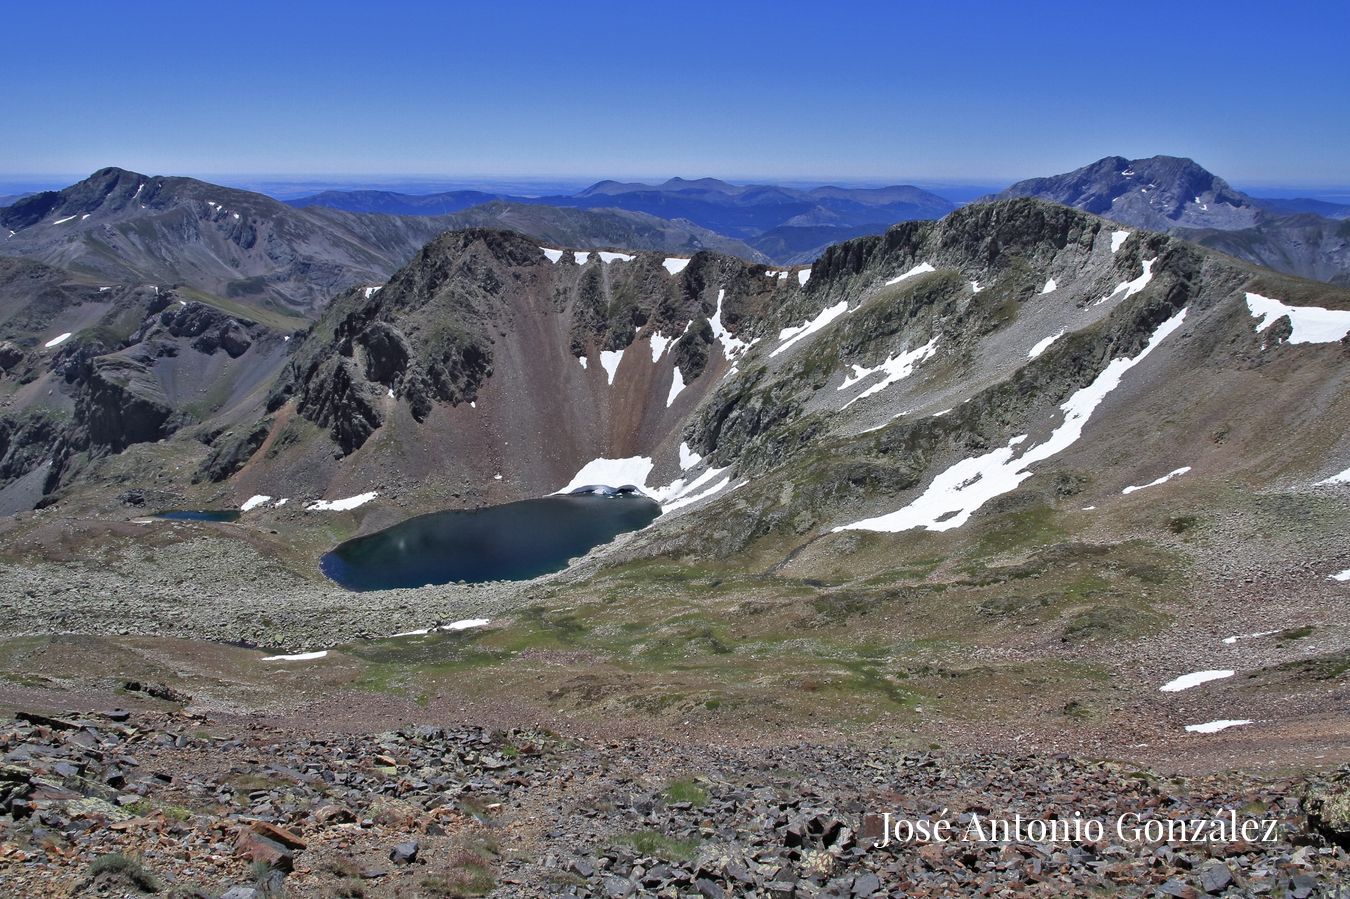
[
  {"x": 655, "y": 843},
  {"x": 686, "y": 790}
]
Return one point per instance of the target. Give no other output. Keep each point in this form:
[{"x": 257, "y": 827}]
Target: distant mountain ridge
[
  {"x": 1178, "y": 196},
  {"x": 258, "y": 255},
  {"x": 787, "y": 225}
]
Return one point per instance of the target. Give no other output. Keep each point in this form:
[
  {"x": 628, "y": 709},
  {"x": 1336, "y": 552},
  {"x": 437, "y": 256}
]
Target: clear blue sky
[{"x": 992, "y": 91}]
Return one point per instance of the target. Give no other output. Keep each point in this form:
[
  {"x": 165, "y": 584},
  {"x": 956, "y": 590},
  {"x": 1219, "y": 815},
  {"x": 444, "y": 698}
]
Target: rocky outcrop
[
  {"x": 232, "y": 451},
  {"x": 122, "y": 404}
]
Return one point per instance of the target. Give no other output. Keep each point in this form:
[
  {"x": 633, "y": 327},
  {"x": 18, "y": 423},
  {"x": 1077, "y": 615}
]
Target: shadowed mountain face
[
  {"x": 787, "y": 225},
  {"x": 257, "y": 256},
  {"x": 1175, "y": 195}
]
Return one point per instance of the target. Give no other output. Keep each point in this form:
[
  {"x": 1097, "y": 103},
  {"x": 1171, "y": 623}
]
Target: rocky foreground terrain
[{"x": 187, "y": 803}]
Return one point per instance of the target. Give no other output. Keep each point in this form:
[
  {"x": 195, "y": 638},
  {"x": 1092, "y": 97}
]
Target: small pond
[{"x": 199, "y": 515}]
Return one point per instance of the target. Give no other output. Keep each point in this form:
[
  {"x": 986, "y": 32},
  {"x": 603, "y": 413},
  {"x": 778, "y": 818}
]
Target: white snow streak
[
  {"x": 1211, "y": 727},
  {"x": 552, "y": 255},
  {"x": 371, "y": 291},
  {"x": 675, "y": 265},
  {"x": 794, "y": 335},
  {"x": 1194, "y": 679},
  {"x": 1236, "y": 637},
  {"x": 609, "y": 360},
  {"x": 731, "y": 346},
  {"x": 659, "y": 344},
  {"x": 922, "y": 268},
  {"x": 955, "y": 494},
  {"x": 607, "y": 257},
  {"x": 1342, "y": 478},
  {"x": 254, "y": 502},
  {"x": 676, "y": 385},
  {"x": 57, "y": 340},
  {"x": 1311, "y": 324},
  {"x": 1162, "y": 480},
  {"x": 688, "y": 458},
  {"x": 1050, "y": 287},
  {"x": 64, "y": 220},
  {"x": 1342, "y": 576},
  {"x": 341, "y": 505},
  {"x": 896, "y": 368},
  {"x": 298, "y": 657},
  {"x": 1043, "y": 345},
  {"x": 1118, "y": 238},
  {"x": 1131, "y": 287}
]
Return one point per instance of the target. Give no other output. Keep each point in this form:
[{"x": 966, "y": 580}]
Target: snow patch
[
  {"x": 64, "y": 220},
  {"x": 581, "y": 257},
  {"x": 57, "y": 340},
  {"x": 955, "y": 494},
  {"x": 371, "y": 291},
  {"x": 1212, "y": 727},
  {"x": 341, "y": 505},
  {"x": 1311, "y": 324},
  {"x": 1131, "y": 287},
  {"x": 688, "y": 458},
  {"x": 609, "y": 361},
  {"x": 297, "y": 657},
  {"x": 1043, "y": 345},
  {"x": 975, "y": 287},
  {"x": 254, "y": 502},
  {"x": 803, "y": 276},
  {"x": 1236, "y": 637},
  {"x": 1050, "y": 287},
  {"x": 606, "y": 256},
  {"x": 675, "y": 265},
  {"x": 676, "y": 385},
  {"x": 659, "y": 344},
  {"x": 1342, "y": 478},
  {"x": 1162, "y": 480},
  {"x": 615, "y": 472},
  {"x": 1118, "y": 238},
  {"x": 731, "y": 346},
  {"x": 896, "y": 369},
  {"x": 687, "y": 496},
  {"x": 552, "y": 255},
  {"x": 1194, "y": 679},
  {"x": 792, "y": 336},
  {"x": 922, "y": 268},
  {"x": 1342, "y": 576}
]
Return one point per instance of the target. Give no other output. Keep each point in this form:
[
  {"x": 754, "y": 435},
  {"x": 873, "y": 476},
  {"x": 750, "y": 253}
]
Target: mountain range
[
  {"x": 1309, "y": 238},
  {"x": 245, "y": 251},
  {"x": 787, "y": 225}
]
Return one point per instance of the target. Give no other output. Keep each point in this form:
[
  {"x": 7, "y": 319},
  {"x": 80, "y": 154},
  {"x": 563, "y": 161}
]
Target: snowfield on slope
[
  {"x": 341, "y": 505},
  {"x": 1194, "y": 679},
  {"x": 1154, "y": 483},
  {"x": 1311, "y": 324},
  {"x": 955, "y": 494}
]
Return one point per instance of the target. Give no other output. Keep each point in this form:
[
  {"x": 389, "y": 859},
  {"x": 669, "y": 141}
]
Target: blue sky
[{"x": 1257, "y": 92}]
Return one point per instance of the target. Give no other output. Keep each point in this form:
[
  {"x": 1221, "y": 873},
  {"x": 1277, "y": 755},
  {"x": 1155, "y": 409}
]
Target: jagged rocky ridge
[{"x": 493, "y": 368}]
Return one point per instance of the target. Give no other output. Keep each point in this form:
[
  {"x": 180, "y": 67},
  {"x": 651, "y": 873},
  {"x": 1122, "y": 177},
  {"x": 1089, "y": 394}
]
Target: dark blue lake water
[
  {"x": 512, "y": 542},
  {"x": 199, "y": 515}
]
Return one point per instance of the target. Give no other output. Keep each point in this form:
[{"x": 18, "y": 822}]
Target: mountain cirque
[{"x": 988, "y": 482}]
